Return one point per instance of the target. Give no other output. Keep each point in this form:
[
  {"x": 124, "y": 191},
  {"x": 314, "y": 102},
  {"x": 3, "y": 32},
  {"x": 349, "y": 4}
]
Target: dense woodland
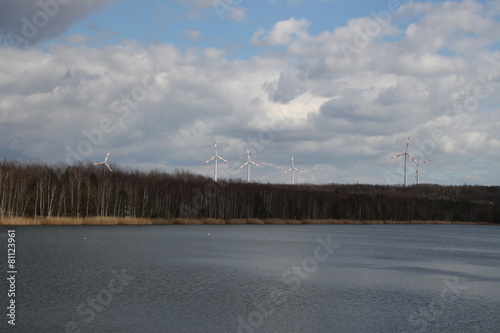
[{"x": 34, "y": 190}]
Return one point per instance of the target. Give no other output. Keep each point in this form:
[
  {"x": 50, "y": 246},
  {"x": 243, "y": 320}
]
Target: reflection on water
[{"x": 336, "y": 278}]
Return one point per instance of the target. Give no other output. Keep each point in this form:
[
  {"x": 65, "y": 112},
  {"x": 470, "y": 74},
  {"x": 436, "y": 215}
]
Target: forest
[{"x": 31, "y": 189}]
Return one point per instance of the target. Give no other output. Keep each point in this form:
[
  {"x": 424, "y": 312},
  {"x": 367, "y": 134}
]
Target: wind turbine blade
[
  {"x": 106, "y": 158},
  {"x": 298, "y": 170},
  {"x": 397, "y": 156},
  {"x": 254, "y": 163},
  {"x": 287, "y": 171},
  {"x": 211, "y": 159},
  {"x": 407, "y": 144},
  {"x": 106, "y": 164},
  {"x": 413, "y": 159},
  {"x": 243, "y": 165},
  {"x": 221, "y": 158}
]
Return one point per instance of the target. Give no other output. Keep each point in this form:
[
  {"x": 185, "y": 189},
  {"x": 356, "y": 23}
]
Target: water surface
[{"x": 249, "y": 278}]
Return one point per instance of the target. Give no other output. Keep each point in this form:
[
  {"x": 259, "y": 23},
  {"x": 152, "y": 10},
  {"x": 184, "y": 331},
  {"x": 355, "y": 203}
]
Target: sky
[{"x": 339, "y": 84}]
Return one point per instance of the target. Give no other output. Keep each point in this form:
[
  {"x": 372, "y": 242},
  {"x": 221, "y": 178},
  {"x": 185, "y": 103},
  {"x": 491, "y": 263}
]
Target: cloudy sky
[{"x": 339, "y": 84}]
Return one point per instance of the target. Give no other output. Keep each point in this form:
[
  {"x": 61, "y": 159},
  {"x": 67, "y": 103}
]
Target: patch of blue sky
[
  {"x": 487, "y": 106},
  {"x": 326, "y": 15},
  {"x": 322, "y": 16},
  {"x": 495, "y": 46},
  {"x": 148, "y": 22},
  {"x": 155, "y": 21},
  {"x": 395, "y": 37}
]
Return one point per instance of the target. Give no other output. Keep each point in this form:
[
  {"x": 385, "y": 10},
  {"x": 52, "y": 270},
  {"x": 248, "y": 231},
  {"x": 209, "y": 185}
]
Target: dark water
[{"x": 255, "y": 279}]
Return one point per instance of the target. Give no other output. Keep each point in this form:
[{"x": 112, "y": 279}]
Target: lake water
[{"x": 248, "y": 278}]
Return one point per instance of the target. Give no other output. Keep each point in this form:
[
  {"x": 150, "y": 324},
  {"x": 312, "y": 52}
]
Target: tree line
[{"x": 81, "y": 190}]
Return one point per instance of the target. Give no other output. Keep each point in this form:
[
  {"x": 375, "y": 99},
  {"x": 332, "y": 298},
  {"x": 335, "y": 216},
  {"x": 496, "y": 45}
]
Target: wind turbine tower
[
  {"x": 105, "y": 162},
  {"x": 292, "y": 169},
  {"x": 215, "y": 157},
  {"x": 247, "y": 163},
  {"x": 405, "y": 154},
  {"x": 417, "y": 163}
]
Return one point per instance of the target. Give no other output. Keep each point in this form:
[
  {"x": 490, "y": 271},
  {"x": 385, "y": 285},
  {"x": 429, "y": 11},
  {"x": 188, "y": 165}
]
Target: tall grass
[
  {"x": 214, "y": 221},
  {"x": 236, "y": 221},
  {"x": 274, "y": 221},
  {"x": 207, "y": 221}
]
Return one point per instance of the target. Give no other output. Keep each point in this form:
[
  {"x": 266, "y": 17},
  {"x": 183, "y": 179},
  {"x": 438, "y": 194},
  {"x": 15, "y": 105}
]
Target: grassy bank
[{"x": 208, "y": 221}]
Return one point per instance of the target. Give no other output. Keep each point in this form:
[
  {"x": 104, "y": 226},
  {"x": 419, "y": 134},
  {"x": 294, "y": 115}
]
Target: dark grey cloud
[
  {"x": 26, "y": 22},
  {"x": 289, "y": 85}
]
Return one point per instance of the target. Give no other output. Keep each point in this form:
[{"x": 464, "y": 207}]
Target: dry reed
[
  {"x": 186, "y": 221},
  {"x": 20, "y": 221},
  {"x": 372, "y": 222},
  {"x": 255, "y": 221},
  {"x": 274, "y": 221},
  {"x": 294, "y": 222},
  {"x": 327, "y": 221},
  {"x": 161, "y": 221},
  {"x": 213, "y": 221},
  {"x": 236, "y": 221}
]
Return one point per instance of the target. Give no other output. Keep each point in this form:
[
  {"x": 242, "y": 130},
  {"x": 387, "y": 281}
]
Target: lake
[{"x": 255, "y": 278}]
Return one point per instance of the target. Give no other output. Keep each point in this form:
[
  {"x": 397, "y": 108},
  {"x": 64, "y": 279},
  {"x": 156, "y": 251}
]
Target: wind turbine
[
  {"x": 405, "y": 154},
  {"x": 292, "y": 169},
  {"x": 417, "y": 163},
  {"x": 215, "y": 157},
  {"x": 105, "y": 162},
  {"x": 247, "y": 163}
]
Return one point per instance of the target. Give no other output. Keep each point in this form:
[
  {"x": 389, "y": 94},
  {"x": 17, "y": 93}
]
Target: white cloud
[
  {"x": 191, "y": 35},
  {"x": 294, "y": 3},
  {"x": 282, "y": 33},
  {"x": 232, "y": 10},
  {"x": 237, "y": 14},
  {"x": 79, "y": 39},
  {"x": 197, "y": 3}
]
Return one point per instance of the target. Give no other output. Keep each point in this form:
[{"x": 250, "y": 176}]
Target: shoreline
[{"x": 14, "y": 221}]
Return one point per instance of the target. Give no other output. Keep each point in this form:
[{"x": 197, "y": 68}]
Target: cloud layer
[{"x": 341, "y": 101}]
